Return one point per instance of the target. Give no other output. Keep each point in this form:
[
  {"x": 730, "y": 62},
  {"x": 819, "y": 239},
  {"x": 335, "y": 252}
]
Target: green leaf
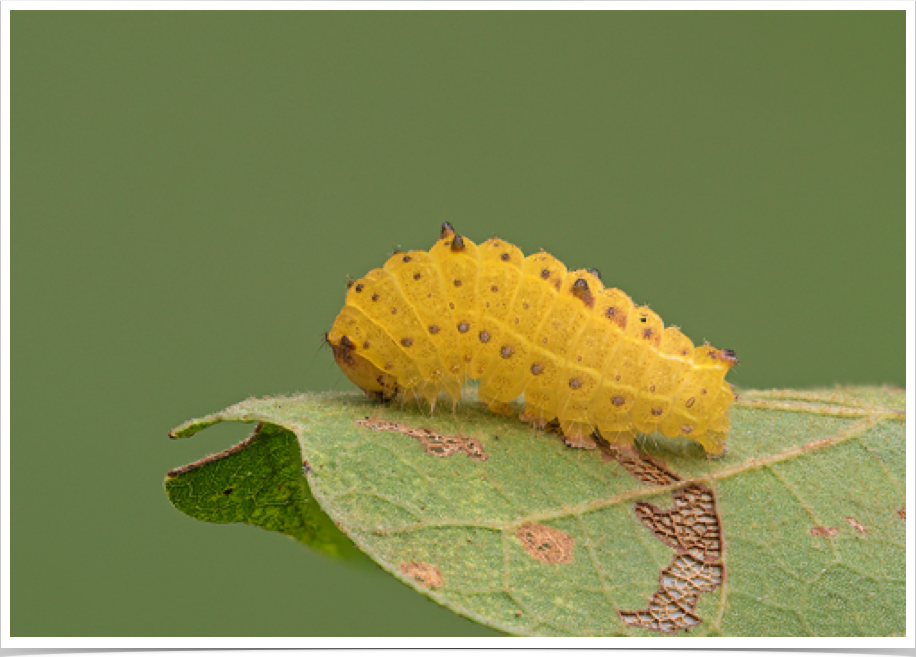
[{"x": 797, "y": 530}]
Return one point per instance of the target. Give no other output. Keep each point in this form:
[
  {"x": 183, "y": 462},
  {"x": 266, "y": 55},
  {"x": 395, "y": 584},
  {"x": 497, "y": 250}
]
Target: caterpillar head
[{"x": 364, "y": 375}]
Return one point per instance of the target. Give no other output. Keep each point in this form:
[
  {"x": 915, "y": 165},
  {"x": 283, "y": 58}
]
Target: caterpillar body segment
[{"x": 580, "y": 353}]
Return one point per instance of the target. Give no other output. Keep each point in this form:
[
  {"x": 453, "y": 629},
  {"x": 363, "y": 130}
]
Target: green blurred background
[{"x": 191, "y": 189}]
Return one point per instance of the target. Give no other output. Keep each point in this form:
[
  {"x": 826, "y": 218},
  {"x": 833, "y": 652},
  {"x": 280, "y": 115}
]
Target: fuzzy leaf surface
[{"x": 797, "y": 530}]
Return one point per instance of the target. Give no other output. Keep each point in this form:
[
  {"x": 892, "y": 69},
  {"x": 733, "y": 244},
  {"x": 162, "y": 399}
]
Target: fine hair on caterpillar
[{"x": 581, "y": 354}]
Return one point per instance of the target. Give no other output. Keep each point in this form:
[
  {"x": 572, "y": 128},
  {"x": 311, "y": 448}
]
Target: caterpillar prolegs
[{"x": 580, "y": 353}]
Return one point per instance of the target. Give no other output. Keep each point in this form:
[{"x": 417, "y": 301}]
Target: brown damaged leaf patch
[
  {"x": 855, "y": 524},
  {"x": 693, "y": 529},
  {"x": 645, "y": 468},
  {"x": 423, "y": 573},
  {"x": 433, "y": 443},
  {"x": 546, "y": 544},
  {"x": 824, "y": 532}
]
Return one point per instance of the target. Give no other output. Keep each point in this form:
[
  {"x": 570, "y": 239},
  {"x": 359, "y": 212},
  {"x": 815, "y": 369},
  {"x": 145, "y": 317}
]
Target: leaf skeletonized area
[
  {"x": 692, "y": 528},
  {"x": 541, "y": 539}
]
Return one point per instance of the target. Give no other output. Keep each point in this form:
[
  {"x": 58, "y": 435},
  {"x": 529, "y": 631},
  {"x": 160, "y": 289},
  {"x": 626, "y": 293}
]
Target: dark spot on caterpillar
[
  {"x": 359, "y": 288},
  {"x": 657, "y": 411},
  {"x": 375, "y": 297},
  {"x": 434, "y": 329},
  {"x": 417, "y": 276},
  {"x": 713, "y": 354},
  {"x": 557, "y": 283},
  {"x": 493, "y": 288},
  {"x": 457, "y": 283},
  {"x": 616, "y": 316},
  {"x": 347, "y": 343},
  {"x": 729, "y": 355},
  {"x": 451, "y": 305},
  {"x": 545, "y": 274},
  {"x": 463, "y": 327},
  {"x": 647, "y": 333},
  {"x": 686, "y": 352},
  {"x": 366, "y": 344},
  {"x": 617, "y": 400},
  {"x": 643, "y": 319},
  {"x": 702, "y": 391},
  {"x": 651, "y": 387},
  {"x": 506, "y": 351},
  {"x": 407, "y": 258},
  {"x": 515, "y": 321},
  {"x": 687, "y": 429},
  {"x": 690, "y": 402},
  {"x": 575, "y": 383},
  {"x": 536, "y": 368},
  {"x": 525, "y": 305},
  {"x": 504, "y": 257},
  {"x": 495, "y": 243},
  {"x": 458, "y": 244},
  {"x": 350, "y": 283},
  {"x": 407, "y": 342},
  {"x": 447, "y": 230},
  {"x": 595, "y": 273},
  {"x": 580, "y": 290},
  {"x": 394, "y": 311},
  {"x": 484, "y": 336}
]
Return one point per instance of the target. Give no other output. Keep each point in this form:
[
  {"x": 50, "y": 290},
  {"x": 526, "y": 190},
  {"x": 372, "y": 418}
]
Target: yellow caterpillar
[{"x": 579, "y": 352}]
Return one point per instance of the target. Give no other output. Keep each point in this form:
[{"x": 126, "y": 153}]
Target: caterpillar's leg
[
  {"x": 535, "y": 416},
  {"x": 713, "y": 442},
  {"x": 578, "y": 434},
  {"x": 620, "y": 439},
  {"x": 492, "y": 400}
]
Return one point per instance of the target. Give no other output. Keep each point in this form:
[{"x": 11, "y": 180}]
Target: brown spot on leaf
[
  {"x": 902, "y": 513},
  {"x": 545, "y": 543},
  {"x": 855, "y": 524},
  {"x": 423, "y": 573},
  {"x": 824, "y": 532}
]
